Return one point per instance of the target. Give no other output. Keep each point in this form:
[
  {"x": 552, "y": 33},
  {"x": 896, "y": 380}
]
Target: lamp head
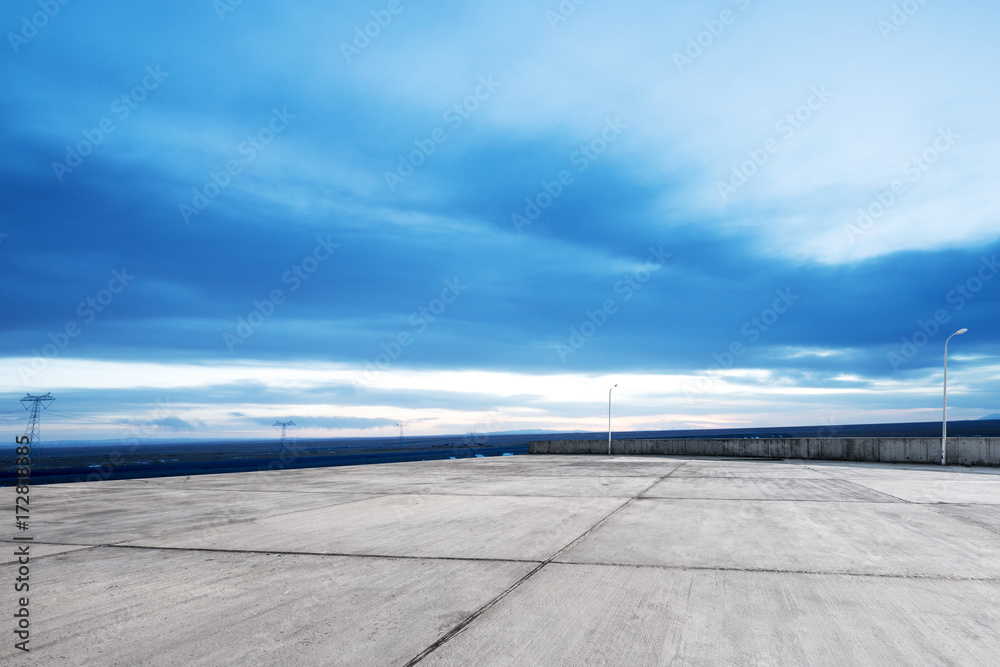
[{"x": 961, "y": 331}]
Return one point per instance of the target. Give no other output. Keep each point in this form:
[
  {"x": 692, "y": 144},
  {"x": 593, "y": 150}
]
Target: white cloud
[
  {"x": 736, "y": 397},
  {"x": 888, "y": 100}
]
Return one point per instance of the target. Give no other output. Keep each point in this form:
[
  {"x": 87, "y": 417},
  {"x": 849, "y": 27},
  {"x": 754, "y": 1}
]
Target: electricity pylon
[
  {"x": 32, "y": 429},
  {"x": 284, "y": 426},
  {"x": 401, "y": 426}
]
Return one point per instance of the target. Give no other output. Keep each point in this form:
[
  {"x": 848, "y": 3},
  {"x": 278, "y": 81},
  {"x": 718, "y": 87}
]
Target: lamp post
[
  {"x": 609, "y": 419},
  {"x": 944, "y": 413}
]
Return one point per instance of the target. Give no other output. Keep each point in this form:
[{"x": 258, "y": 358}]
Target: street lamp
[
  {"x": 944, "y": 414},
  {"x": 609, "y": 419}
]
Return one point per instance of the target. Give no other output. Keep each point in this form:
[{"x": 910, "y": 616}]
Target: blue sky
[{"x": 480, "y": 217}]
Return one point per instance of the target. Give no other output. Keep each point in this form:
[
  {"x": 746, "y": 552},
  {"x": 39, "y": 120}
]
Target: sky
[{"x": 480, "y": 217}]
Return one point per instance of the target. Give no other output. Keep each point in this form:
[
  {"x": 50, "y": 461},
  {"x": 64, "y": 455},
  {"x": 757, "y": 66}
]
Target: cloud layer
[{"x": 795, "y": 202}]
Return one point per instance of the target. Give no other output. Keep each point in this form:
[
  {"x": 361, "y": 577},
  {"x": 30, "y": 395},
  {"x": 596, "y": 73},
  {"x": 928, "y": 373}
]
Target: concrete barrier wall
[{"x": 961, "y": 451}]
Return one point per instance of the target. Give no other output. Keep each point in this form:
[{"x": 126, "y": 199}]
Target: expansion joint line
[{"x": 489, "y": 605}]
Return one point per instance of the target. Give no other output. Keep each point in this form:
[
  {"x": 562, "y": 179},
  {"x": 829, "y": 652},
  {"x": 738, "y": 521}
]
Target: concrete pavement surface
[{"x": 521, "y": 560}]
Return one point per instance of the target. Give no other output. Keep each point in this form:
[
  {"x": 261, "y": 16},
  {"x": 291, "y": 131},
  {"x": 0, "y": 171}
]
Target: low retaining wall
[{"x": 961, "y": 451}]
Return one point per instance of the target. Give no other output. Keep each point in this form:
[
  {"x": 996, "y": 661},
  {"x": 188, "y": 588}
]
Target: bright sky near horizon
[{"x": 479, "y": 217}]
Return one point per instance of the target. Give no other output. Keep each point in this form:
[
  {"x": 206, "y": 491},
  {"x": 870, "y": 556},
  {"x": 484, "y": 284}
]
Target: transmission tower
[
  {"x": 284, "y": 427},
  {"x": 401, "y": 426},
  {"x": 32, "y": 403}
]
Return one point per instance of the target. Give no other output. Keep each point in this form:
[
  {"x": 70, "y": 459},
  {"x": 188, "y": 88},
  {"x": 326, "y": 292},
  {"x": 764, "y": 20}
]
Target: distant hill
[
  {"x": 995, "y": 415},
  {"x": 529, "y": 431}
]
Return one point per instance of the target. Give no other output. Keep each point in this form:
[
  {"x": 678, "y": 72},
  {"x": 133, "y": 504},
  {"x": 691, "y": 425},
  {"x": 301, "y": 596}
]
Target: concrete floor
[{"x": 526, "y": 560}]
